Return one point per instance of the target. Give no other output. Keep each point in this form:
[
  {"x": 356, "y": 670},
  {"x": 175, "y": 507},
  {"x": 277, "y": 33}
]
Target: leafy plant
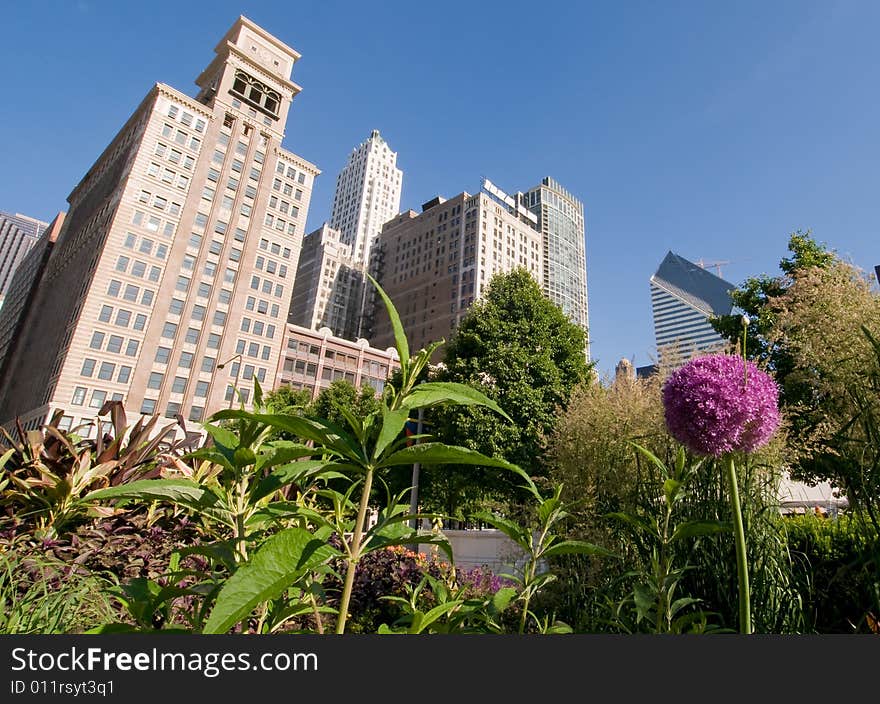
[
  {"x": 653, "y": 599},
  {"x": 48, "y": 473},
  {"x": 540, "y": 545}
]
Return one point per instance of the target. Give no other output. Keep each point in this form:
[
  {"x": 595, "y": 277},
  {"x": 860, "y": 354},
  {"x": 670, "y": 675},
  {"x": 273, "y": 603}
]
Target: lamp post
[{"x": 237, "y": 372}]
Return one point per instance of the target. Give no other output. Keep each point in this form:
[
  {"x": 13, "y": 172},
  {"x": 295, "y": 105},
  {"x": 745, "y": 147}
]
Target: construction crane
[{"x": 716, "y": 264}]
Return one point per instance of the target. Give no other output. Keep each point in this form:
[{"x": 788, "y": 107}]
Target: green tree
[
  {"x": 289, "y": 401},
  {"x": 341, "y": 394},
  {"x": 519, "y": 348},
  {"x": 754, "y": 298}
]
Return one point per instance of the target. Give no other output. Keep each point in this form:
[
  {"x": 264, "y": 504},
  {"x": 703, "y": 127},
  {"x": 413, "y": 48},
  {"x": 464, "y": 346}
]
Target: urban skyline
[
  {"x": 722, "y": 170},
  {"x": 169, "y": 285}
]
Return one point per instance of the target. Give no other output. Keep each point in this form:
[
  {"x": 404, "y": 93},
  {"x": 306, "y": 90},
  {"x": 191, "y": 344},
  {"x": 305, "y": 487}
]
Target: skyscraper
[
  {"x": 434, "y": 264},
  {"x": 683, "y": 297},
  {"x": 367, "y": 195},
  {"x": 177, "y": 254},
  {"x": 327, "y": 282},
  {"x": 18, "y": 233},
  {"x": 561, "y": 219}
]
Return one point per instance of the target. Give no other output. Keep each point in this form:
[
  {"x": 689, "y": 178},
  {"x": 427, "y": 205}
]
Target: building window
[
  {"x": 162, "y": 355},
  {"x": 154, "y": 381},
  {"x": 105, "y": 373},
  {"x": 98, "y": 398},
  {"x": 179, "y": 385},
  {"x": 186, "y": 360},
  {"x": 114, "y": 343},
  {"x": 88, "y": 367},
  {"x": 97, "y": 340},
  {"x": 148, "y": 407},
  {"x": 105, "y": 314},
  {"x": 124, "y": 375}
]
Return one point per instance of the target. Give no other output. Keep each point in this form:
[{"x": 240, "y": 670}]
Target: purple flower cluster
[{"x": 717, "y": 404}]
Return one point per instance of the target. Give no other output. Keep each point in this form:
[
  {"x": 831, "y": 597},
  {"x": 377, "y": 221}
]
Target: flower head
[{"x": 718, "y": 403}]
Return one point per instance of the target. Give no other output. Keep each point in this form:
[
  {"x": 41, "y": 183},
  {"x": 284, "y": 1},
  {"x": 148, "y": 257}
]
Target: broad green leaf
[
  {"x": 281, "y": 452},
  {"x": 577, "y": 547},
  {"x": 637, "y": 522},
  {"x": 393, "y": 423},
  {"x": 439, "y": 453},
  {"x": 502, "y": 598},
  {"x": 670, "y": 491},
  {"x": 440, "y": 610},
  {"x": 693, "y": 529},
  {"x": 280, "y": 561},
  {"x": 222, "y": 436},
  {"x": 644, "y": 597},
  {"x": 183, "y": 492},
  {"x": 399, "y": 335},
  {"x": 432, "y": 393},
  {"x": 244, "y": 457},
  {"x": 287, "y": 474},
  {"x": 521, "y": 536},
  {"x": 679, "y": 604}
]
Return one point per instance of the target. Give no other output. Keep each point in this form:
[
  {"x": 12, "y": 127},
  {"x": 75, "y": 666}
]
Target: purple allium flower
[{"x": 714, "y": 404}]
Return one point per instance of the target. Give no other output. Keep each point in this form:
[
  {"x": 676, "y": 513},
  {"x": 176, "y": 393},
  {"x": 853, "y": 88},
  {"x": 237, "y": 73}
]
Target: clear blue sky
[{"x": 712, "y": 129}]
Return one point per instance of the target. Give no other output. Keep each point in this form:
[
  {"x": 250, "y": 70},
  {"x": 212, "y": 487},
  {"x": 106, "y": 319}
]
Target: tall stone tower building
[
  {"x": 178, "y": 252},
  {"x": 367, "y": 195}
]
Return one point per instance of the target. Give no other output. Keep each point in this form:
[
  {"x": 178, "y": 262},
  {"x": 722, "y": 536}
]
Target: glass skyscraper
[
  {"x": 561, "y": 220},
  {"x": 683, "y": 297}
]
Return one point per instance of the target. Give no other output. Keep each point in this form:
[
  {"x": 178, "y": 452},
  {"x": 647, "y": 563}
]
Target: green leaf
[
  {"x": 182, "y": 492},
  {"x": 399, "y": 335},
  {"x": 432, "y": 393},
  {"x": 439, "y": 453},
  {"x": 393, "y": 423},
  {"x": 664, "y": 472},
  {"x": 637, "y": 522},
  {"x": 287, "y": 474},
  {"x": 577, "y": 547},
  {"x": 281, "y": 452},
  {"x": 431, "y": 616},
  {"x": 644, "y": 598},
  {"x": 693, "y": 529},
  {"x": 280, "y": 561},
  {"x": 670, "y": 491},
  {"x": 222, "y": 436},
  {"x": 521, "y": 536}
]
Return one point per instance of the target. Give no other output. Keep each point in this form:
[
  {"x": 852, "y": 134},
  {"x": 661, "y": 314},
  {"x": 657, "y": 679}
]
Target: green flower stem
[
  {"x": 355, "y": 553},
  {"x": 742, "y": 567}
]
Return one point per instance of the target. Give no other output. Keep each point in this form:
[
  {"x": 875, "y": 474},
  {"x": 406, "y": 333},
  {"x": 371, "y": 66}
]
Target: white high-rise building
[{"x": 367, "y": 195}]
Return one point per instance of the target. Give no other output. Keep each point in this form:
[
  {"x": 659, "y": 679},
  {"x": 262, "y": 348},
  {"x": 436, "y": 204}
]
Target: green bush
[{"x": 839, "y": 577}]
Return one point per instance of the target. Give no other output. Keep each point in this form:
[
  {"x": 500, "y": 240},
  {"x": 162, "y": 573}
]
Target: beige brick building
[
  {"x": 314, "y": 359},
  {"x": 434, "y": 264},
  {"x": 178, "y": 252}
]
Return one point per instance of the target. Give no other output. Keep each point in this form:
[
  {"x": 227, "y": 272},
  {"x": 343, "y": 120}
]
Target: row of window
[
  {"x": 146, "y": 246},
  {"x": 114, "y": 343},
  {"x": 130, "y": 293},
  {"x": 153, "y": 223},
  {"x": 139, "y": 269},
  {"x": 163, "y": 355},
  {"x": 258, "y": 328},
  {"x": 123, "y": 319},
  {"x": 186, "y": 119},
  {"x": 97, "y": 399},
  {"x": 106, "y": 370}
]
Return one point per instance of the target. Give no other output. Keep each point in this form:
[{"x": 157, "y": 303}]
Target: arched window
[{"x": 256, "y": 93}]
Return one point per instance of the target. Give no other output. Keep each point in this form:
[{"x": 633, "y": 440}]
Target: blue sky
[{"x": 711, "y": 129}]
